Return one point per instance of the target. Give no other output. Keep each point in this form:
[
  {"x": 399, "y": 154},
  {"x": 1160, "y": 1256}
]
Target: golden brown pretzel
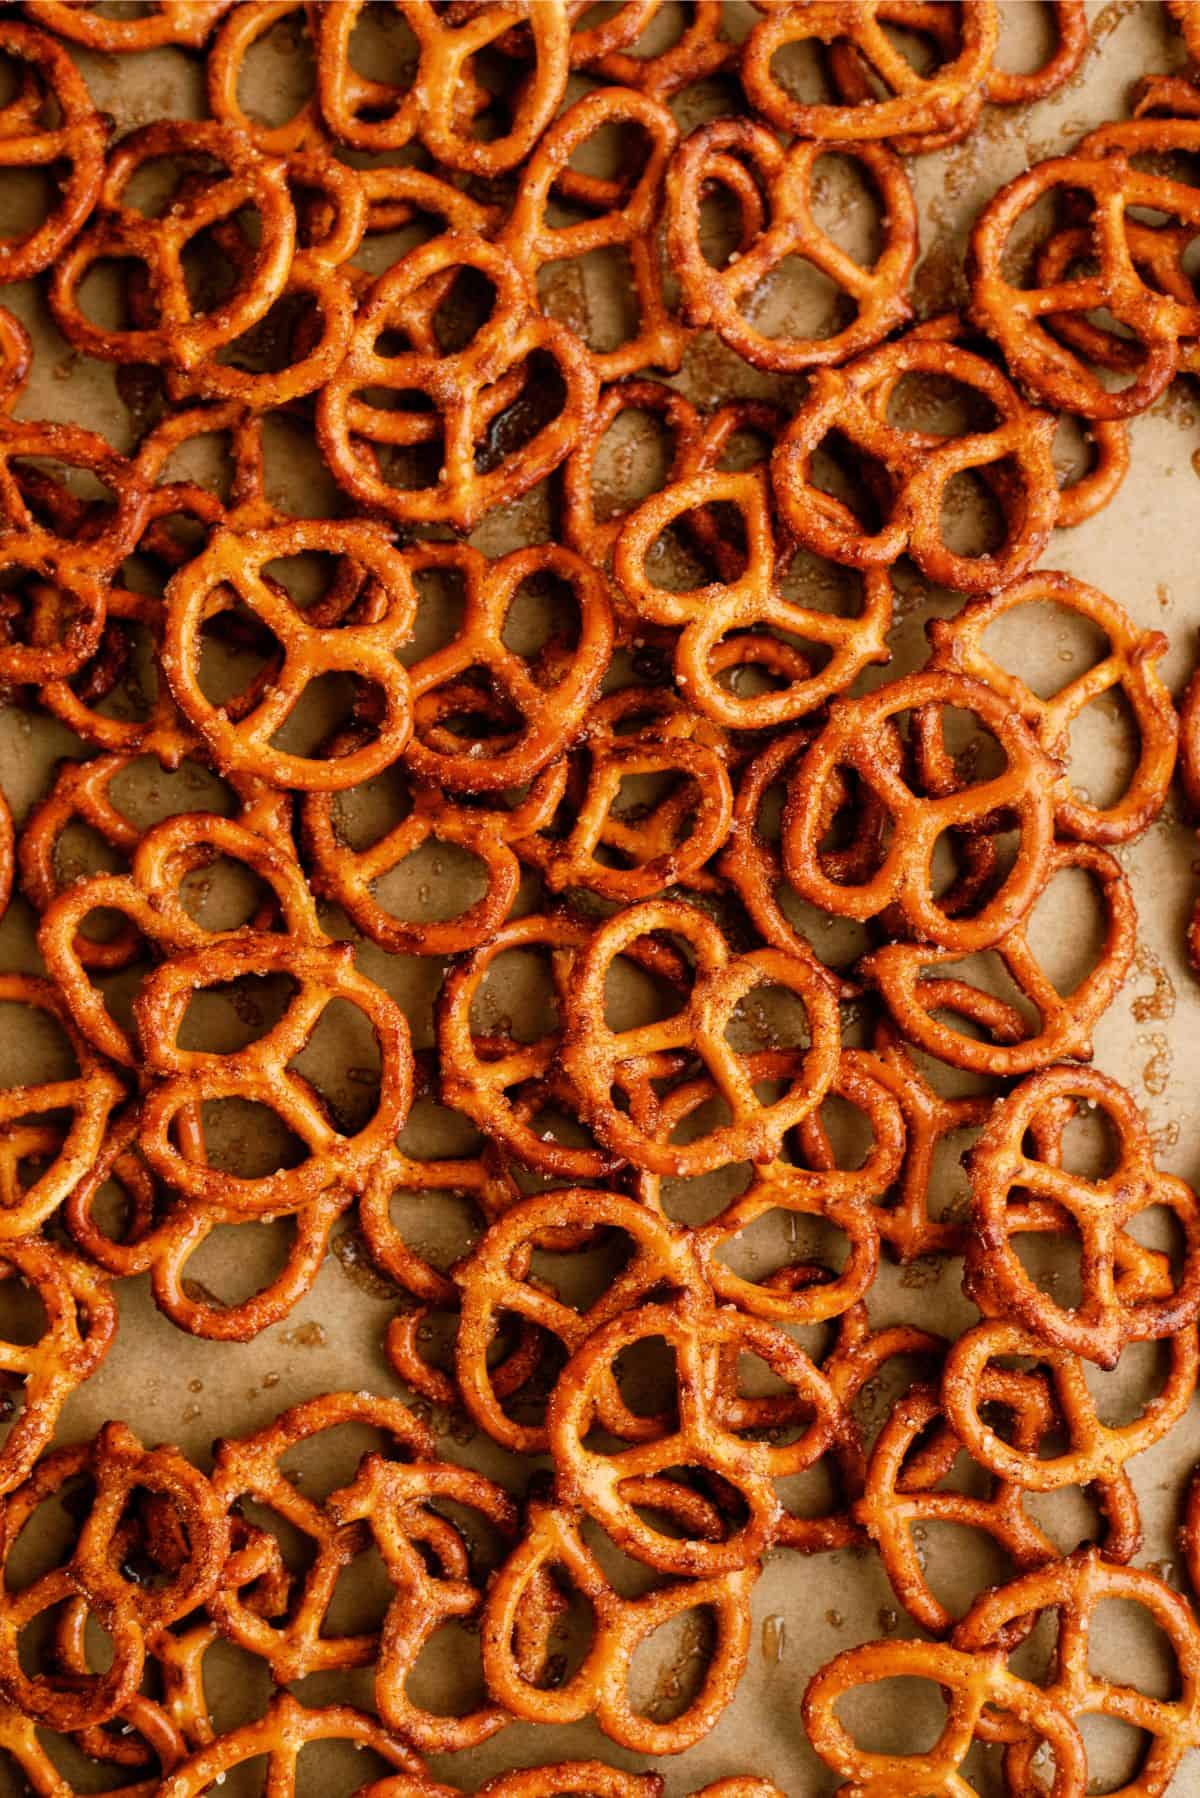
[
  {"x": 279, "y": 1735},
  {"x": 169, "y": 22},
  {"x": 785, "y": 228},
  {"x": 76, "y": 139}
]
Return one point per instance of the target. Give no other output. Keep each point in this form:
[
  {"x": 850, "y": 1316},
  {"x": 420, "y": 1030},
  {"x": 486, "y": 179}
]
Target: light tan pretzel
[
  {"x": 280, "y": 1734},
  {"x": 1096, "y": 1451},
  {"x": 525, "y": 1595},
  {"x": 467, "y": 389},
  {"x": 1074, "y": 1588},
  {"x": 232, "y": 564},
  {"x": 920, "y": 999},
  {"x": 1127, "y": 666},
  {"x": 775, "y": 188},
  {"x": 706, "y": 615},
  {"x": 601, "y": 1062},
  {"x": 76, "y": 139},
  {"x": 628, "y": 215},
  {"x": 971, "y": 1683},
  {"x": 291, "y": 1636},
  {"x": 178, "y": 1078}
]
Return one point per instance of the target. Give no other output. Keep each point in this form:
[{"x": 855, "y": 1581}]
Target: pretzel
[
  {"x": 707, "y": 614},
  {"x": 239, "y": 30},
  {"x": 700, "y": 50},
  {"x": 431, "y": 107},
  {"x": 1073, "y": 1588},
  {"x": 16, "y": 359},
  {"x": 916, "y": 468},
  {"x": 588, "y": 534},
  {"x": 970, "y": 1683},
  {"x": 1129, "y": 667},
  {"x": 917, "y": 112},
  {"x": 117, "y": 1465},
  {"x": 1097, "y": 1451},
  {"x": 77, "y": 139},
  {"x": 1004, "y": 1179},
  {"x": 495, "y": 1283},
  {"x": 150, "y": 896},
  {"x": 600, "y": 1061},
  {"x": 553, "y": 1545},
  {"x": 467, "y": 389},
  {"x": 1018, "y": 319},
  {"x": 810, "y": 1183},
  {"x": 429, "y": 1568},
  {"x": 78, "y": 1331},
  {"x": 774, "y": 188},
  {"x": 919, "y": 998},
  {"x": 22, "y": 1746},
  {"x": 179, "y": 338},
  {"x": 233, "y": 562},
  {"x": 706, "y": 1437},
  {"x": 82, "y": 792},
  {"x": 628, "y": 216},
  {"x": 545, "y": 697},
  {"x": 664, "y": 845},
  {"x": 87, "y": 1097},
  {"x": 280, "y": 1734},
  {"x": 904, "y": 1494},
  {"x": 1157, "y": 253},
  {"x": 857, "y": 737},
  {"x": 182, "y": 22},
  {"x": 292, "y": 1638}
]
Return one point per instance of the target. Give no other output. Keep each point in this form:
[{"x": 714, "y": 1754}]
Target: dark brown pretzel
[
  {"x": 76, "y": 139},
  {"x": 916, "y": 468},
  {"x": 601, "y": 1062},
  {"x": 468, "y": 389},
  {"x": 179, "y": 337},
  {"x": 717, "y": 155}
]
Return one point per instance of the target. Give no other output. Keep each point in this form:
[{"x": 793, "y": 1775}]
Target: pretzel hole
[
  {"x": 595, "y": 294},
  {"x": 668, "y": 1667},
  {"x": 1123, "y": 1395},
  {"x": 958, "y": 1561},
  {"x": 437, "y": 1226},
  {"x": 646, "y": 1372},
  {"x": 446, "y": 1678},
  {"x": 698, "y": 1199},
  {"x": 212, "y": 271},
  {"x": 894, "y": 1716},
  {"x": 145, "y": 793},
  {"x": 1124, "y": 1637},
  {"x": 23, "y": 1318},
  {"x": 515, "y": 998},
  {"x": 539, "y": 402},
  {"x": 781, "y": 1240},
  {"x": 275, "y": 77},
  {"x": 1110, "y": 1742},
  {"x": 238, "y": 1263},
  {"x": 441, "y": 601},
  {"x": 1068, "y": 957},
  {"x": 109, "y": 293},
  {"x": 800, "y": 68},
  {"x": 661, "y": 33},
  {"x": 326, "y": 705},
  {"x": 35, "y": 1645},
  {"x": 558, "y": 1624},
  {"x": 1053, "y": 1262},
  {"x": 382, "y": 48},
  {"x": 631, "y": 461},
  {"x": 226, "y": 1016},
  {"x": 973, "y": 520},
  {"x": 26, "y": 615},
  {"x": 237, "y": 1686},
  {"x": 238, "y": 654},
  {"x": 225, "y": 893},
  {"x": 726, "y": 1507},
  {"x": 247, "y": 1138},
  {"x": 1072, "y": 642},
  {"x": 289, "y": 332},
  {"x": 635, "y": 995},
  {"x": 1105, "y": 739},
  {"x": 796, "y": 300}
]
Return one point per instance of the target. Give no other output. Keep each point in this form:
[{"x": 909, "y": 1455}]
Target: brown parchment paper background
[{"x": 1144, "y": 549}]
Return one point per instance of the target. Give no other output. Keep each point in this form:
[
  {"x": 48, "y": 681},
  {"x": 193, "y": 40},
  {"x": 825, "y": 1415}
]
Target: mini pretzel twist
[
  {"x": 1127, "y": 667},
  {"x": 553, "y": 1546},
  {"x": 743, "y": 157},
  {"x": 1074, "y": 1588},
  {"x": 117, "y": 1466},
  {"x": 233, "y": 563},
  {"x": 181, "y": 1078},
  {"x": 600, "y": 1061},
  {"x": 916, "y": 471},
  {"x": 291, "y": 1636},
  {"x": 465, "y": 388},
  {"x": 179, "y": 338},
  {"x": 77, "y": 139},
  {"x": 970, "y": 1683}
]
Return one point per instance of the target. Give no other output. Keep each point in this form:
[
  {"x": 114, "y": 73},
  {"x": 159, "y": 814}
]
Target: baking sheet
[{"x": 1144, "y": 550}]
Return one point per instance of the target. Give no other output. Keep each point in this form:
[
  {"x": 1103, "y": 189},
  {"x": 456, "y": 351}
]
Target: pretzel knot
[
  {"x": 1006, "y": 1180},
  {"x": 179, "y": 338},
  {"x": 751, "y": 599},
  {"x": 774, "y": 189},
  {"x": 706, "y": 1435},
  {"x": 551, "y": 1561},
  {"x": 279, "y": 1736},
  {"x": 860, "y": 738},
  {"x": 916, "y": 469},
  {"x": 76, "y": 140},
  {"x": 496, "y": 1283},
  {"x": 915, "y": 1451},
  {"x": 468, "y": 390},
  {"x": 291, "y": 1634},
  {"x": 129, "y": 1612},
  {"x": 429, "y": 1566},
  {"x": 231, "y": 567},
  {"x": 262, "y": 1072},
  {"x": 1022, "y": 320},
  {"x": 1095, "y": 1450},
  {"x": 1127, "y": 666},
  {"x": 1074, "y": 1588},
  {"x": 970, "y": 1683},
  {"x": 600, "y": 1061}
]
